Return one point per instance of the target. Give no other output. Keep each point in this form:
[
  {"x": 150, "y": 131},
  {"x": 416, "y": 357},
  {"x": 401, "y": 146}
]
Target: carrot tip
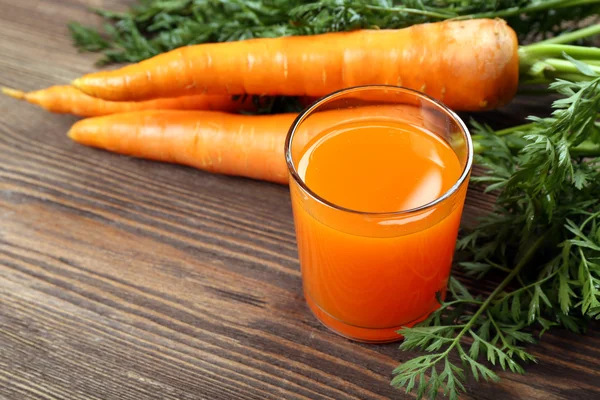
[
  {"x": 17, "y": 94},
  {"x": 77, "y": 83},
  {"x": 72, "y": 135}
]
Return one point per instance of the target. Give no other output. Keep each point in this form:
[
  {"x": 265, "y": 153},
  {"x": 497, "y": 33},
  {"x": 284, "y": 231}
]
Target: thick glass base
[{"x": 356, "y": 333}]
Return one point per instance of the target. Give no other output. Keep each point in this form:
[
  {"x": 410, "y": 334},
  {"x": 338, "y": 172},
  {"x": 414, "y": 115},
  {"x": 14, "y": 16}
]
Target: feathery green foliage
[
  {"x": 155, "y": 26},
  {"x": 543, "y": 236}
]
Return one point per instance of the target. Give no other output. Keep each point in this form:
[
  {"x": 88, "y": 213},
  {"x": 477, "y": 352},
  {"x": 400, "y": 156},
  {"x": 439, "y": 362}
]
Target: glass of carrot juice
[{"x": 378, "y": 178}]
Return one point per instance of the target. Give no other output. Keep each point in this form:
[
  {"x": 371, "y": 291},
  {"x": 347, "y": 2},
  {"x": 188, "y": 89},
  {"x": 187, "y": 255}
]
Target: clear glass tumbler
[{"x": 366, "y": 275}]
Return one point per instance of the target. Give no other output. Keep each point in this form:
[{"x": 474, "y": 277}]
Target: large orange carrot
[
  {"x": 69, "y": 100},
  {"x": 232, "y": 144},
  {"x": 470, "y": 65},
  {"x": 250, "y": 146}
]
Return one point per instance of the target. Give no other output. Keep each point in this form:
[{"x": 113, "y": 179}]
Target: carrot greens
[
  {"x": 156, "y": 26},
  {"x": 543, "y": 240}
]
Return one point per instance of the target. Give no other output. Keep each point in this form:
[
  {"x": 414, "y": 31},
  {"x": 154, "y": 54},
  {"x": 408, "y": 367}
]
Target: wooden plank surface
[{"x": 128, "y": 279}]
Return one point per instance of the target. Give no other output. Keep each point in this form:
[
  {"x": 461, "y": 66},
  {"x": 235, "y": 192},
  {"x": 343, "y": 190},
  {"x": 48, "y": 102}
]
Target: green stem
[
  {"x": 500, "y": 334},
  {"x": 586, "y": 149},
  {"x": 443, "y": 338},
  {"x": 523, "y": 128},
  {"x": 513, "y": 129},
  {"x": 559, "y": 65},
  {"x": 591, "y": 62},
  {"x": 459, "y": 301},
  {"x": 543, "y": 60},
  {"x": 522, "y": 283},
  {"x": 578, "y": 77},
  {"x": 531, "y": 285},
  {"x": 498, "y": 266},
  {"x": 571, "y": 36},
  {"x": 524, "y": 260},
  {"x": 540, "y": 63},
  {"x": 541, "y": 6},
  {"x": 413, "y": 11},
  {"x": 556, "y": 50},
  {"x": 590, "y": 279},
  {"x": 509, "y": 12},
  {"x": 587, "y": 221}
]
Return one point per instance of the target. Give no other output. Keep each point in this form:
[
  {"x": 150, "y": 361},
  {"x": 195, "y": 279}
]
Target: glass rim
[{"x": 338, "y": 93}]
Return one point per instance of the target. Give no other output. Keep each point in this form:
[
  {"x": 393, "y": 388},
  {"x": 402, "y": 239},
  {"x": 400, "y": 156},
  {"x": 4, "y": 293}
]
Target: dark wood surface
[{"x": 128, "y": 279}]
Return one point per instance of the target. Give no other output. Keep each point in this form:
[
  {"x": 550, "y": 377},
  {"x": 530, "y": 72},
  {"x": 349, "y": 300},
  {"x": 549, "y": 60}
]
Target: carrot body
[
  {"x": 69, "y": 100},
  {"x": 250, "y": 146},
  {"x": 469, "y": 65},
  {"x": 233, "y": 144}
]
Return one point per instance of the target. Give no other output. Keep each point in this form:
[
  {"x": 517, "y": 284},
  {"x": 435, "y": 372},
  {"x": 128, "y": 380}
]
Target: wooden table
[{"x": 129, "y": 279}]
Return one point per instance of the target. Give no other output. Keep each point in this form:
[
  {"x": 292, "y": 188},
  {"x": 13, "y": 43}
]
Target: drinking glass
[{"x": 366, "y": 275}]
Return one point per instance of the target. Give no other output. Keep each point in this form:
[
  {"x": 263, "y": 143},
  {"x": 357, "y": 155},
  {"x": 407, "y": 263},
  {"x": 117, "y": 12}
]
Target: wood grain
[{"x": 128, "y": 279}]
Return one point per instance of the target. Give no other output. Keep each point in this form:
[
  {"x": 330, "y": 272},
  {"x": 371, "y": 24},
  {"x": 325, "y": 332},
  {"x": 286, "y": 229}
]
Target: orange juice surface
[{"x": 367, "y": 281}]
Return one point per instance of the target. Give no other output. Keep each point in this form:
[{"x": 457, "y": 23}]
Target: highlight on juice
[{"x": 377, "y": 195}]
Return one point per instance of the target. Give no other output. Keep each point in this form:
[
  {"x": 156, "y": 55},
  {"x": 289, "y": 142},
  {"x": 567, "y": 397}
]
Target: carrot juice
[{"x": 375, "y": 234}]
